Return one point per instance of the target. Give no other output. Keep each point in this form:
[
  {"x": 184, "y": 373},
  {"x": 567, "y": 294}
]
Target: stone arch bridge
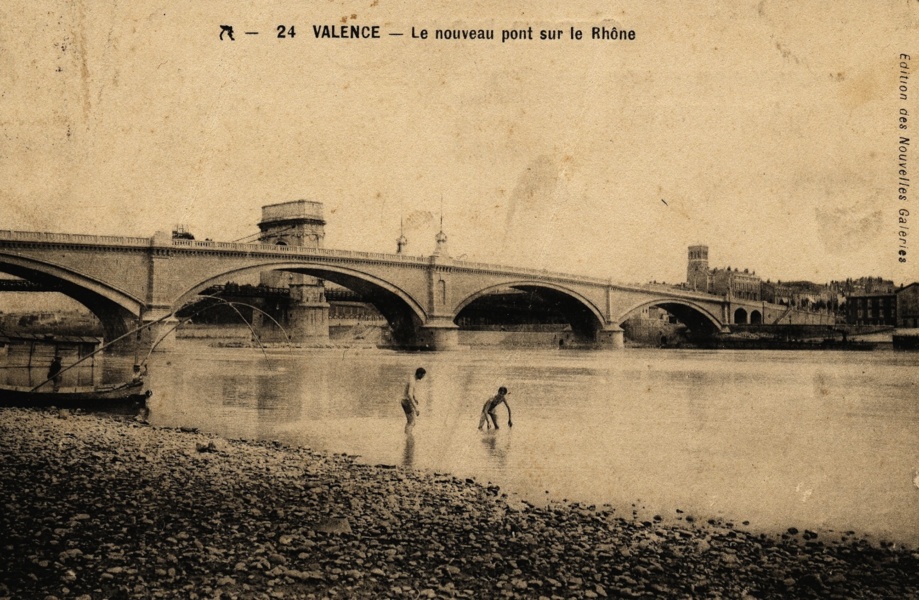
[{"x": 127, "y": 280}]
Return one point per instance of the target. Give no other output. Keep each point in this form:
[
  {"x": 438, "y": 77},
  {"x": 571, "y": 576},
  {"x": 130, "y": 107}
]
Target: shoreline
[{"x": 97, "y": 506}]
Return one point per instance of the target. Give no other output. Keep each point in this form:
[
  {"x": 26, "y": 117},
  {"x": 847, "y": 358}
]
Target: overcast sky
[{"x": 766, "y": 130}]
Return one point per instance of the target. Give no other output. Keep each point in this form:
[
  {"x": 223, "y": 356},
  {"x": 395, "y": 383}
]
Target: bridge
[{"x": 125, "y": 281}]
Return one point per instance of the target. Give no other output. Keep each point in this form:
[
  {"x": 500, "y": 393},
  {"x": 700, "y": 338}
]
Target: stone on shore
[{"x": 98, "y": 507}]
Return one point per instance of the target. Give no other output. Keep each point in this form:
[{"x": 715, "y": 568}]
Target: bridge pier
[
  {"x": 304, "y": 323},
  {"x": 612, "y": 337},
  {"x": 439, "y": 334},
  {"x": 162, "y": 333},
  {"x": 308, "y": 322}
]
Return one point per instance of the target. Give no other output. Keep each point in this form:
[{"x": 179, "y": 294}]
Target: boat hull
[
  {"x": 906, "y": 342},
  {"x": 129, "y": 394}
]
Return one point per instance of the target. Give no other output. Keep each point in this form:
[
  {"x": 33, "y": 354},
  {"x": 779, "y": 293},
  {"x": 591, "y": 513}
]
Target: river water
[{"x": 824, "y": 440}]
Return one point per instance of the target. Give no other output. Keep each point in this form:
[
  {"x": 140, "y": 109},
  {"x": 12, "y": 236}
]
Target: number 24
[{"x": 284, "y": 32}]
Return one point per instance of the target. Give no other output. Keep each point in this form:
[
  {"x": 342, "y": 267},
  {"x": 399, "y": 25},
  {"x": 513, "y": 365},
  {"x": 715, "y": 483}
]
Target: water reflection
[
  {"x": 497, "y": 446},
  {"x": 408, "y": 452}
]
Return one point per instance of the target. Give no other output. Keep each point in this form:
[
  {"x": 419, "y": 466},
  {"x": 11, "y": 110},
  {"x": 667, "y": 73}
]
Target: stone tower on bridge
[{"x": 304, "y": 314}]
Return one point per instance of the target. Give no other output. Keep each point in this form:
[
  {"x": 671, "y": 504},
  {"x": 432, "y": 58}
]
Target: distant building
[
  {"x": 721, "y": 282},
  {"x": 908, "y": 306},
  {"x": 802, "y": 294},
  {"x": 863, "y": 286},
  {"x": 899, "y": 308},
  {"x": 874, "y": 309},
  {"x": 736, "y": 284}
]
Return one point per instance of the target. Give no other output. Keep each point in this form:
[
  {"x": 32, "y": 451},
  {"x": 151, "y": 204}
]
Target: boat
[
  {"x": 906, "y": 341},
  {"x": 730, "y": 342},
  {"x": 130, "y": 394}
]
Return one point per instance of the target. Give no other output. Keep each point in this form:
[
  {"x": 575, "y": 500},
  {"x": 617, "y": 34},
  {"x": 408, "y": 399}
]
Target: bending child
[{"x": 488, "y": 410}]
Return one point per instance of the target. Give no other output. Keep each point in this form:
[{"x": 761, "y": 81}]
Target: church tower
[{"x": 697, "y": 271}]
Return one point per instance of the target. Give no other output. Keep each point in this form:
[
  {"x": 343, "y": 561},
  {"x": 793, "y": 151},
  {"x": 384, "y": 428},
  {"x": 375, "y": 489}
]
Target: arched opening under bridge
[
  {"x": 115, "y": 313},
  {"x": 668, "y": 323},
  {"x": 527, "y": 314},
  {"x": 403, "y": 316}
]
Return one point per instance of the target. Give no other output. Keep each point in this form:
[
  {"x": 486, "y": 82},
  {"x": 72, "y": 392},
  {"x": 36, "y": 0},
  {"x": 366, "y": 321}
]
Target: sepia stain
[
  {"x": 534, "y": 190},
  {"x": 821, "y": 387},
  {"x": 786, "y": 53},
  {"x": 417, "y": 219},
  {"x": 79, "y": 40},
  {"x": 861, "y": 89},
  {"x": 844, "y": 231},
  {"x": 805, "y": 492}
]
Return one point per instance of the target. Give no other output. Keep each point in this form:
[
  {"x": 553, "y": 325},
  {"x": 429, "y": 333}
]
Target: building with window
[
  {"x": 728, "y": 282},
  {"x": 873, "y": 309},
  {"x": 896, "y": 309},
  {"x": 908, "y": 306}
]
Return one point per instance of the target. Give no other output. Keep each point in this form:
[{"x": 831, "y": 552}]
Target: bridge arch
[
  {"x": 585, "y": 317},
  {"x": 404, "y": 313},
  {"x": 116, "y": 310},
  {"x": 696, "y": 317}
]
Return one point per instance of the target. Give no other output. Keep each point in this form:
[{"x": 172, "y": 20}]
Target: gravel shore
[{"x": 96, "y": 506}]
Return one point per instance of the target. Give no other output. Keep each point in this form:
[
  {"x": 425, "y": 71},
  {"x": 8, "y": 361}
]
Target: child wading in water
[
  {"x": 409, "y": 402},
  {"x": 488, "y": 410}
]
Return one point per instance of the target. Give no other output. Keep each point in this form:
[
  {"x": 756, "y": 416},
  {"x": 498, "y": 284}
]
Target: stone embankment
[{"x": 100, "y": 507}]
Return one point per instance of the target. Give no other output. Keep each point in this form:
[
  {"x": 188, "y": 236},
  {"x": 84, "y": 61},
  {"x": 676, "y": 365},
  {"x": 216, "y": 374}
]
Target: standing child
[
  {"x": 488, "y": 410},
  {"x": 409, "y": 401},
  {"x": 54, "y": 372}
]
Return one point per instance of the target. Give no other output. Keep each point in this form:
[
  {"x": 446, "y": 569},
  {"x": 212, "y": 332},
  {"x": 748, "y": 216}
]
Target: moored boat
[
  {"x": 128, "y": 394},
  {"x": 906, "y": 342}
]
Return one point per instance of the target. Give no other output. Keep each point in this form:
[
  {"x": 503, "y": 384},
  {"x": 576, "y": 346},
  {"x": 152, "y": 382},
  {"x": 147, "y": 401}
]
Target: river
[{"x": 821, "y": 440}]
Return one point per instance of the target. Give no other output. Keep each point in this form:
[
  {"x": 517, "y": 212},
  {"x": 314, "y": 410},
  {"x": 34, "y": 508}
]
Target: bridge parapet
[
  {"x": 297, "y": 251},
  {"x": 72, "y": 238},
  {"x": 477, "y": 267},
  {"x": 674, "y": 291}
]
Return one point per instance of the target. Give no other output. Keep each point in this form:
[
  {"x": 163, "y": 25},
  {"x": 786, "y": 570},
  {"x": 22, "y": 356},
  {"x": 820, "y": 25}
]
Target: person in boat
[
  {"x": 488, "y": 410},
  {"x": 54, "y": 372},
  {"x": 409, "y": 401},
  {"x": 138, "y": 374}
]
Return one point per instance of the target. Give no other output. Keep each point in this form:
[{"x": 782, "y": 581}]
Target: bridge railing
[
  {"x": 298, "y": 251},
  {"x": 71, "y": 238},
  {"x": 491, "y": 268}
]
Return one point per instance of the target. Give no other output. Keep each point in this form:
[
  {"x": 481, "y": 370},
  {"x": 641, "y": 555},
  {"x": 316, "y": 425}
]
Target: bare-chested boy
[
  {"x": 488, "y": 410},
  {"x": 409, "y": 401}
]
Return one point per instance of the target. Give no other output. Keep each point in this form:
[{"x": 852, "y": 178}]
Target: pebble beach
[{"x": 101, "y": 506}]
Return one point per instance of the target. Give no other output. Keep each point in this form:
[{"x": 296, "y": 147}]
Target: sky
[{"x": 766, "y": 130}]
